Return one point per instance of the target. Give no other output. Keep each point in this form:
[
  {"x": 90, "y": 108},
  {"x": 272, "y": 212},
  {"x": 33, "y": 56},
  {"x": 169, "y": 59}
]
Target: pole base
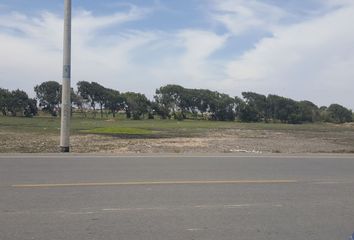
[{"x": 64, "y": 149}]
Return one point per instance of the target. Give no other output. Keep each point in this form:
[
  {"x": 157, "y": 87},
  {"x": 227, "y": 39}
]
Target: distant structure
[{"x": 66, "y": 89}]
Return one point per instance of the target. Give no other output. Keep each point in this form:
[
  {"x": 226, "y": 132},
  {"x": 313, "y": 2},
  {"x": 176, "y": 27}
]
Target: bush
[{"x": 179, "y": 116}]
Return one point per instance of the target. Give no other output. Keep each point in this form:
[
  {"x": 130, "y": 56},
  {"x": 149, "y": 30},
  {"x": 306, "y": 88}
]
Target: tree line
[
  {"x": 171, "y": 102},
  {"x": 17, "y": 102}
]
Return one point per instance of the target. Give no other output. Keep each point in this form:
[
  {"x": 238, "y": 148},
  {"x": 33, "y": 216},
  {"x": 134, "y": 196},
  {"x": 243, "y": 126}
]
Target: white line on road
[
  {"x": 133, "y": 209},
  {"x": 141, "y": 183},
  {"x": 140, "y": 209},
  {"x": 182, "y": 182},
  {"x": 195, "y": 229}
]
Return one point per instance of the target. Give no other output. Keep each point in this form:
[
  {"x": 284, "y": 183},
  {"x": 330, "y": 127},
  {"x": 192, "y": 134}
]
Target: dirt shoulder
[{"x": 211, "y": 141}]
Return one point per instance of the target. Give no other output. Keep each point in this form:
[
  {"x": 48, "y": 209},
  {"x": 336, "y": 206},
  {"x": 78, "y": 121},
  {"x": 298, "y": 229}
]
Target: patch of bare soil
[
  {"x": 27, "y": 142},
  {"x": 215, "y": 141}
]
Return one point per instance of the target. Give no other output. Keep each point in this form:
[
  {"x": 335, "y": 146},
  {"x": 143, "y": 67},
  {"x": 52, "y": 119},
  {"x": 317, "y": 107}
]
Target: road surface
[{"x": 176, "y": 197}]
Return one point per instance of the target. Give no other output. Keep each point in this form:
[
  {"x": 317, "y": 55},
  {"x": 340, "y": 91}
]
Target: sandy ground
[{"x": 220, "y": 141}]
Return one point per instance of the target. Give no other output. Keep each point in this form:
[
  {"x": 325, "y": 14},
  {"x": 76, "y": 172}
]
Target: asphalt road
[{"x": 176, "y": 197}]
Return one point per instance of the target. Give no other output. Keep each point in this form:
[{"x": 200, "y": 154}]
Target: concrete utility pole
[{"x": 66, "y": 89}]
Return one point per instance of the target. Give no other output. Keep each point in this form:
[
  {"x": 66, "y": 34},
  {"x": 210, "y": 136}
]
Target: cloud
[
  {"x": 240, "y": 16},
  {"x": 311, "y": 60},
  {"x": 32, "y": 47},
  {"x": 86, "y": 22},
  {"x": 195, "y": 62},
  {"x": 104, "y": 51},
  {"x": 337, "y": 3}
]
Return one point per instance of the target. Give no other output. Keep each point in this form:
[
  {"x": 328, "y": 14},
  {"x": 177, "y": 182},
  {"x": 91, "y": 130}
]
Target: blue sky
[{"x": 297, "y": 48}]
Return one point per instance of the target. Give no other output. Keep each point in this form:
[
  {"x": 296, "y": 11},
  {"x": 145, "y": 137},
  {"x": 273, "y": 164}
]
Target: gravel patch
[{"x": 214, "y": 141}]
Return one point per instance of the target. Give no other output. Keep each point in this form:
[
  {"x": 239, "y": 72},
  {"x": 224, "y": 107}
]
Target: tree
[
  {"x": 221, "y": 107},
  {"x": 17, "y": 102},
  {"x": 202, "y": 100},
  {"x": 339, "y": 114},
  {"x": 256, "y": 106},
  {"x": 94, "y": 93},
  {"x": 309, "y": 111},
  {"x": 99, "y": 95},
  {"x": 169, "y": 99},
  {"x": 30, "y": 109},
  {"x": 161, "y": 109},
  {"x": 165, "y": 102},
  {"x": 79, "y": 102},
  {"x": 178, "y": 101},
  {"x": 48, "y": 94},
  {"x": 246, "y": 113},
  {"x": 114, "y": 101},
  {"x": 136, "y": 105},
  {"x": 284, "y": 109},
  {"x": 85, "y": 90},
  {"x": 5, "y": 96}
]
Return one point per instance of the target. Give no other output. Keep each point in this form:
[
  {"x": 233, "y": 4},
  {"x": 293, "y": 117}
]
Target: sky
[{"x": 302, "y": 49}]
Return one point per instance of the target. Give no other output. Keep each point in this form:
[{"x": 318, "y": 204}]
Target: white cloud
[
  {"x": 199, "y": 46},
  {"x": 337, "y": 3},
  {"x": 240, "y": 16},
  {"x": 32, "y": 47},
  {"x": 124, "y": 59},
  {"x": 311, "y": 60},
  {"x": 86, "y": 22}
]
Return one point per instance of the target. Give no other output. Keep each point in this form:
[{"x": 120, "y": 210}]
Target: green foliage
[
  {"x": 85, "y": 91},
  {"x": 256, "y": 107},
  {"x": 5, "y": 97},
  {"x": 96, "y": 94},
  {"x": 179, "y": 116},
  {"x": 222, "y": 107},
  {"x": 137, "y": 105},
  {"x": 99, "y": 95},
  {"x": 171, "y": 99},
  {"x": 167, "y": 100},
  {"x": 49, "y": 95},
  {"x": 114, "y": 101},
  {"x": 17, "y": 102},
  {"x": 30, "y": 109},
  {"x": 284, "y": 109},
  {"x": 77, "y": 100},
  {"x": 309, "y": 112},
  {"x": 247, "y": 113},
  {"x": 339, "y": 114},
  {"x": 174, "y": 101}
]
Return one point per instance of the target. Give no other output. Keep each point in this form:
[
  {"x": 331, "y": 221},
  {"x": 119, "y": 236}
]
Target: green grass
[
  {"x": 164, "y": 128},
  {"x": 118, "y": 130},
  {"x": 37, "y": 124}
]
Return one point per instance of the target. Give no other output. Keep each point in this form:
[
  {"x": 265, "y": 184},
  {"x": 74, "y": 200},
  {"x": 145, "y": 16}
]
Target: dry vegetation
[{"x": 40, "y": 135}]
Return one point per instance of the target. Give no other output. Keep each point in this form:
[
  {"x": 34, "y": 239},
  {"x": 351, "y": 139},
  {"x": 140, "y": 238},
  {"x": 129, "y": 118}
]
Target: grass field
[
  {"x": 117, "y": 126},
  {"x": 14, "y": 129}
]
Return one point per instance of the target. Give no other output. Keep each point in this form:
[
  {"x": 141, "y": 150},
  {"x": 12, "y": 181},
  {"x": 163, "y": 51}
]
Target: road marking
[
  {"x": 133, "y": 209},
  {"x": 251, "y": 205},
  {"x": 141, "y": 209},
  {"x": 81, "y": 213},
  {"x": 107, "y": 184},
  {"x": 238, "y": 206},
  {"x": 333, "y": 182},
  {"x": 195, "y": 229}
]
